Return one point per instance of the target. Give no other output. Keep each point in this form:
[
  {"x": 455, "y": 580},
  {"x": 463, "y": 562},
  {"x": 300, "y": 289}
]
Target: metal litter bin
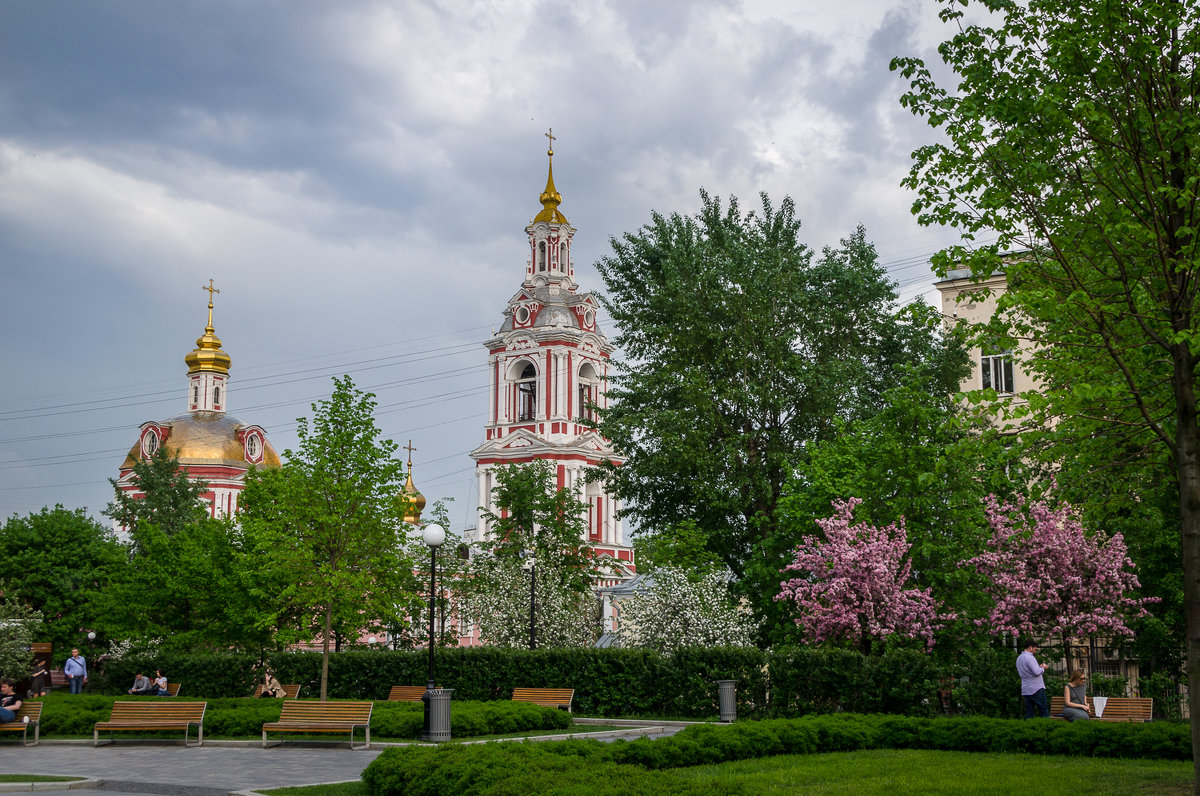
[
  {"x": 437, "y": 714},
  {"x": 728, "y": 699}
]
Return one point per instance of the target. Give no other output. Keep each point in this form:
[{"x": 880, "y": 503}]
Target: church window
[
  {"x": 216, "y": 396},
  {"x": 997, "y": 372},
  {"x": 195, "y": 394},
  {"x": 150, "y": 443},
  {"x": 527, "y": 393},
  {"x": 522, "y": 315},
  {"x": 542, "y": 255},
  {"x": 252, "y": 447},
  {"x": 589, "y": 393},
  {"x": 562, "y": 257}
]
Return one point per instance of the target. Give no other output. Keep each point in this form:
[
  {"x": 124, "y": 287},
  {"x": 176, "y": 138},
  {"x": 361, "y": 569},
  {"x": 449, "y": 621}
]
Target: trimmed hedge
[
  {"x": 624, "y": 683},
  {"x": 65, "y": 714},
  {"x": 514, "y": 768}
]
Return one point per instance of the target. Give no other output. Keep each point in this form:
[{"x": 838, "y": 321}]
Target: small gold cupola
[
  {"x": 208, "y": 356},
  {"x": 550, "y": 197},
  {"x": 414, "y": 500}
]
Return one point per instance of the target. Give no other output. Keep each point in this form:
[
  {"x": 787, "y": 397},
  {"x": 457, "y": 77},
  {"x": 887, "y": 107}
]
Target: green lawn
[
  {"x": 36, "y": 778},
  {"x": 897, "y": 771}
]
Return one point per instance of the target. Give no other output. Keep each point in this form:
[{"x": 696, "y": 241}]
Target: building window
[
  {"x": 527, "y": 393},
  {"x": 150, "y": 444},
  {"x": 542, "y": 255},
  {"x": 562, "y": 257},
  {"x": 195, "y": 395},
  {"x": 589, "y": 393},
  {"x": 216, "y": 397},
  {"x": 997, "y": 370}
]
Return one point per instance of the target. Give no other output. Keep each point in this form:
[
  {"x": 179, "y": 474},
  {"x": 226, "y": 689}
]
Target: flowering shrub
[
  {"x": 1047, "y": 576},
  {"x": 672, "y": 611},
  {"x": 851, "y": 584}
]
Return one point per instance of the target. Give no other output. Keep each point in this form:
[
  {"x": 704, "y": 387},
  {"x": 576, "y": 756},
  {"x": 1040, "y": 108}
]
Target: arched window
[
  {"x": 562, "y": 257},
  {"x": 541, "y": 255},
  {"x": 195, "y": 394},
  {"x": 216, "y": 397},
  {"x": 589, "y": 392},
  {"x": 526, "y": 392}
]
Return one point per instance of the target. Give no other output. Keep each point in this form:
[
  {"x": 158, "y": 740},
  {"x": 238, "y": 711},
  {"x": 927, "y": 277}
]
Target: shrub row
[
  {"x": 226, "y": 717},
  {"x": 622, "y": 682},
  {"x": 530, "y": 767}
]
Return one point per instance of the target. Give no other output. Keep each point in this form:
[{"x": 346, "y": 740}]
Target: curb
[{"x": 25, "y": 787}]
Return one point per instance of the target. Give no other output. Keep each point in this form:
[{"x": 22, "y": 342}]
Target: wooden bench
[
  {"x": 298, "y": 716},
  {"x": 143, "y": 715},
  {"x": 406, "y": 693},
  {"x": 30, "y": 715},
  {"x": 1117, "y": 709},
  {"x": 290, "y": 690},
  {"x": 550, "y": 697}
]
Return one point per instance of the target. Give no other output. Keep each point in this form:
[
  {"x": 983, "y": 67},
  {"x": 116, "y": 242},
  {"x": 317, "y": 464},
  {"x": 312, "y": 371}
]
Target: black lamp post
[
  {"x": 531, "y": 565},
  {"x": 434, "y": 536}
]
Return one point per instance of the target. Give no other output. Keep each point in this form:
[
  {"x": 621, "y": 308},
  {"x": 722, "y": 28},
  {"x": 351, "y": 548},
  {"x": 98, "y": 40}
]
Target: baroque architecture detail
[
  {"x": 212, "y": 445},
  {"x": 548, "y": 373}
]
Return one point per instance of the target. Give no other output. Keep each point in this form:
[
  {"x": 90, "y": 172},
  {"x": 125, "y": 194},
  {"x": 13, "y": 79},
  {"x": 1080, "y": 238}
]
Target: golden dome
[
  {"x": 415, "y": 500},
  {"x": 208, "y": 355},
  {"x": 550, "y": 198},
  {"x": 207, "y": 438}
]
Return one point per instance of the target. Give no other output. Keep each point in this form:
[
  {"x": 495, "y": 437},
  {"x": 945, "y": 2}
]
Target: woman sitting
[
  {"x": 272, "y": 687},
  {"x": 1075, "y": 703}
]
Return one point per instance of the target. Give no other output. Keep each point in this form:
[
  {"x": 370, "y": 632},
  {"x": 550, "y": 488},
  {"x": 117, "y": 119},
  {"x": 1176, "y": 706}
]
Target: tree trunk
[
  {"x": 1187, "y": 464},
  {"x": 325, "y": 652}
]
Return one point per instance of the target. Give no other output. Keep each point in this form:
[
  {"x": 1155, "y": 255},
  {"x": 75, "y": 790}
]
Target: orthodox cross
[
  {"x": 409, "y": 447},
  {"x": 550, "y": 135},
  {"x": 209, "y": 287}
]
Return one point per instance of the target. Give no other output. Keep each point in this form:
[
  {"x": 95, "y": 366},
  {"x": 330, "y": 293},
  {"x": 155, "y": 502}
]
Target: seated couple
[{"x": 144, "y": 686}]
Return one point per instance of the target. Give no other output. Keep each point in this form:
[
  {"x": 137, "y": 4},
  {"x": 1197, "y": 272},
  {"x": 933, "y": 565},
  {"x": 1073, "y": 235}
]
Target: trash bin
[
  {"x": 437, "y": 714},
  {"x": 728, "y": 699}
]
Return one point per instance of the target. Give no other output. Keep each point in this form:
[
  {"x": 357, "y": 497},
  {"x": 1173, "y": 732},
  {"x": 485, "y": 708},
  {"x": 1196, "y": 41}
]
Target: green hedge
[
  {"x": 64, "y": 714},
  {"x": 533, "y": 767},
  {"x": 621, "y": 683}
]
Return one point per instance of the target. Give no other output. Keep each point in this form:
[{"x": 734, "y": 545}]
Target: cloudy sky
[{"x": 356, "y": 178}]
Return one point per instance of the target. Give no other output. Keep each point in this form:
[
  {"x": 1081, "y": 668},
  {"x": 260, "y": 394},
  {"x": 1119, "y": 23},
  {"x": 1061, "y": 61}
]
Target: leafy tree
[
  {"x": 171, "y": 500},
  {"x": 922, "y": 459},
  {"x": 58, "y": 562},
  {"x": 742, "y": 351},
  {"x": 330, "y": 525},
  {"x": 676, "y": 608},
  {"x": 1071, "y": 134},
  {"x": 537, "y": 534},
  {"x": 203, "y": 586},
  {"x": 851, "y": 584},
  {"x": 18, "y": 622},
  {"x": 682, "y": 548},
  {"x": 1047, "y": 577}
]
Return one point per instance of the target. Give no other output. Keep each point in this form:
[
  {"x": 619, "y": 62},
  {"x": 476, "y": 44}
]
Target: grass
[
  {"x": 36, "y": 778},
  {"x": 896, "y": 772},
  {"x": 337, "y": 789}
]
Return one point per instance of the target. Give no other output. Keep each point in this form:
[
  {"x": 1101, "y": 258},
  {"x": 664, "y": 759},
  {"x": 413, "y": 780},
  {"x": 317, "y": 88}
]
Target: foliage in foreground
[{"x": 508, "y": 768}]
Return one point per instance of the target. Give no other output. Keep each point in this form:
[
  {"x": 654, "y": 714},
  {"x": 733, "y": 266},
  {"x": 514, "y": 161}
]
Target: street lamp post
[
  {"x": 531, "y": 565},
  {"x": 434, "y": 536}
]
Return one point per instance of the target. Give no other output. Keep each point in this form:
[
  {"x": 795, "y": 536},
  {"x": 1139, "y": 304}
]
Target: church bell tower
[{"x": 548, "y": 369}]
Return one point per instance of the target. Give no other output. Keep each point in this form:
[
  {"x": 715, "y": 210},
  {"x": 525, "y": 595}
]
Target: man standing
[
  {"x": 1033, "y": 688},
  {"x": 76, "y": 671}
]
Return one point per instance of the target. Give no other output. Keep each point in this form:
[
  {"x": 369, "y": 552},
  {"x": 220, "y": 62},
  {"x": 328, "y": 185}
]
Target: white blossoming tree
[{"x": 672, "y": 610}]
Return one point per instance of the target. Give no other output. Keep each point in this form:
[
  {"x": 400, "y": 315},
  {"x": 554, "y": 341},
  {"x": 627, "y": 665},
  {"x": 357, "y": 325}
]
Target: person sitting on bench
[{"x": 10, "y": 703}]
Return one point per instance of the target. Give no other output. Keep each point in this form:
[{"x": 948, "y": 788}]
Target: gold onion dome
[
  {"x": 550, "y": 197},
  {"x": 414, "y": 500},
  {"x": 208, "y": 356}
]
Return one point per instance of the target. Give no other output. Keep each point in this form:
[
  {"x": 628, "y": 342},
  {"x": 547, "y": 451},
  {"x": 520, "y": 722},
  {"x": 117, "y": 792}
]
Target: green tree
[
  {"x": 742, "y": 351},
  {"x": 59, "y": 562},
  {"x": 1071, "y": 133},
  {"x": 170, "y": 499},
  {"x": 683, "y": 548},
  {"x": 535, "y": 543},
  {"x": 18, "y": 622},
  {"x": 330, "y": 524}
]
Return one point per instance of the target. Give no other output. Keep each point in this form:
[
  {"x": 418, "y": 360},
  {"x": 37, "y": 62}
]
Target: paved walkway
[{"x": 214, "y": 769}]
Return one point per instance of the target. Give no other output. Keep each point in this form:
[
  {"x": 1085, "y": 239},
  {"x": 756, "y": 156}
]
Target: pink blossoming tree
[
  {"x": 1048, "y": 577},
  {"x": 851, "y": 584}
]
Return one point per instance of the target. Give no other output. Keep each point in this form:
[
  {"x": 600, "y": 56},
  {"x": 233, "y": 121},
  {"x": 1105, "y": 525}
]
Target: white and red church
[
  {"x": 212, "y": 445},
  {"x": 548, "y": 368}
]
